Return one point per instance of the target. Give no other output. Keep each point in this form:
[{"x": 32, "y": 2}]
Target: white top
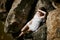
[{"x": 36, "y": 22}]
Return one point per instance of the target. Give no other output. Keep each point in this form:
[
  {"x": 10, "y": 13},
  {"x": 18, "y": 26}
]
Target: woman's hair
[{"x": 43, "y": 9}]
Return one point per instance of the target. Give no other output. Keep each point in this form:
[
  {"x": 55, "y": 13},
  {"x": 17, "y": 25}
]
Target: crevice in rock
[{"x": 9, "y": 4}]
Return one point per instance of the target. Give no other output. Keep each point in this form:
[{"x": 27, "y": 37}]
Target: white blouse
[{"x": 36, "y": 21}]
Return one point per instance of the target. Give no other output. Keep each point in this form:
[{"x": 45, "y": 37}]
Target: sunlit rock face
[{"x": 53, "y": 25}]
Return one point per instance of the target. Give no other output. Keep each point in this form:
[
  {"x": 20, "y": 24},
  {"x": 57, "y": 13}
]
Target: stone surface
[
  {"x": 53, "y": 25},
  {"x": 2, "y": 5},
  {"x": 18, "y": 16},
  {"x": 41, "y": 34},
  {"x": 22, "y": 11}
]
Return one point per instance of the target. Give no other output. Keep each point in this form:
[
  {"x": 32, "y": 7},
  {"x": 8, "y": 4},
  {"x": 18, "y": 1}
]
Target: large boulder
[{"x": 53, "y": 25}]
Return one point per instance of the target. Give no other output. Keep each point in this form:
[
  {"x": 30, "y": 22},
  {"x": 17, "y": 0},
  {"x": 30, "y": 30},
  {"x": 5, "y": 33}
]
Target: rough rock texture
[
  {"x": 53, "y": 25},
  {"x": 21, "y": 11},
  {"x": 18, "y": 16},
  {"x": 2, "y": 5},
  {"x": 47, "y": 4},
  {"x": 5, "y": 6},
  {"x": 41, "y": 34},
  {"x": 2, "y": 9}
]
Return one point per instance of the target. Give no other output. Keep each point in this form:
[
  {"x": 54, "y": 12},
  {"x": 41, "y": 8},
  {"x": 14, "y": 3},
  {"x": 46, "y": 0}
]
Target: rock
[
  {"x": 41, "y": 33},
  {"x": 21, "y": 12},
  {"x": 5, "y": 6},
  {"x": 53, "y": 25},
  {"x": 18, "y": 16},
  {"x": 2, "y": 10},
  {"x": 2, "y": 5}
]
